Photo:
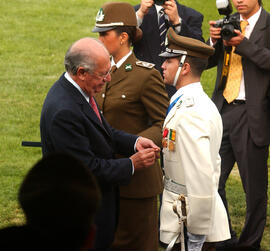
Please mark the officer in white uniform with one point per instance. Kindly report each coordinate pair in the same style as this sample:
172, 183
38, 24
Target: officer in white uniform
192, 133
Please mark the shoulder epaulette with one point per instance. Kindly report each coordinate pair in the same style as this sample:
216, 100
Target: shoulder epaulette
189, 101
145, 64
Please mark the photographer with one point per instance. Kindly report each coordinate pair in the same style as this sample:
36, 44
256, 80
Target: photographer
184, 20
242, 96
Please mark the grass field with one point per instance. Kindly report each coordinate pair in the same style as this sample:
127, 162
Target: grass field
34, 37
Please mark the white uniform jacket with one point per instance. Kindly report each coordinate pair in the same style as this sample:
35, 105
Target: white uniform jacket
192, 132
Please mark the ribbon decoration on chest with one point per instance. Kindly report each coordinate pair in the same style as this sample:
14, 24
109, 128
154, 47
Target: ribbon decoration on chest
172, 104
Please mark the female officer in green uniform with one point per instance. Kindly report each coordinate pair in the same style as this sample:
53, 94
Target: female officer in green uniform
135, 101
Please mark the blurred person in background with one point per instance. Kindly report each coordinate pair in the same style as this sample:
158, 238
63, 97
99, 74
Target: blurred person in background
59, 197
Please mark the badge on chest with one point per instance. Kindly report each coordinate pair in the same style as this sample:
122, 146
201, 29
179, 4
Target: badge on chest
168, 139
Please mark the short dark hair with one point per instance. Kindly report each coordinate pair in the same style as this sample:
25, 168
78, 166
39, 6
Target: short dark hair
198, 65
60, 197
130, 30
260, 2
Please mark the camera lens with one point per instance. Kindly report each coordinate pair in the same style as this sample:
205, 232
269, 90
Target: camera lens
227, 31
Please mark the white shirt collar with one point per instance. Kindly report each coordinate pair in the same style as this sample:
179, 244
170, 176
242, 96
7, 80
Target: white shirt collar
190, 88
253, 19
121, 61
67, 76
158, 8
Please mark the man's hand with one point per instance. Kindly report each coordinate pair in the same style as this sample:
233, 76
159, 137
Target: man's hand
234, 41
171, 10
144, 8
143, 158
214, 32
144, 143
215, 35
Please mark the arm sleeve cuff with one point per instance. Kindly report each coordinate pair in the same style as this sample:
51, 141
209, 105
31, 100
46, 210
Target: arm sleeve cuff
139, 20
177, 27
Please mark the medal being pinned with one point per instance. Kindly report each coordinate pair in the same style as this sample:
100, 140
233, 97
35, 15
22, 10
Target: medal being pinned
168, 139
172, 137
165, 138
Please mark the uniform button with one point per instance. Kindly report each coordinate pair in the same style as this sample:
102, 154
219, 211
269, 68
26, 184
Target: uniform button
101, 112
123, 96
103, 95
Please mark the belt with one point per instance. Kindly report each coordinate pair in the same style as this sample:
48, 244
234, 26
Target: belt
239, 102
174, 187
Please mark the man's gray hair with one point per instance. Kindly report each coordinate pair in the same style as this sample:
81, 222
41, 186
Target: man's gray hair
76, 58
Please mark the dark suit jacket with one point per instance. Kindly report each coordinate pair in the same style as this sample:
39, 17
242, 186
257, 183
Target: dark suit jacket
255, 53
148, 48
69, 124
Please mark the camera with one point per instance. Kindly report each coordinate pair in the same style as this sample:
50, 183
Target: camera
229, 23
160, 2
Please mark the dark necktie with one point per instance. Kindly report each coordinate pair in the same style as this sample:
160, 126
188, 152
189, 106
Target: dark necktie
162, 29
113, 69
94, 107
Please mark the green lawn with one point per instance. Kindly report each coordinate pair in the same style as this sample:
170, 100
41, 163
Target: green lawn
34, 37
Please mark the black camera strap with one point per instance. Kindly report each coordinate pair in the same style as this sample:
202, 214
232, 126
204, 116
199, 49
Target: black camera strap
225, 67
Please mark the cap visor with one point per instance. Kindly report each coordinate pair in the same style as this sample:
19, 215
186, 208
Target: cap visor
102, 29
166, 54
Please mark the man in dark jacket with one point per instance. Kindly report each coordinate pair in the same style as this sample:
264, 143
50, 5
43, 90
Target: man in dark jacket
244, 107
184, 20
71, 122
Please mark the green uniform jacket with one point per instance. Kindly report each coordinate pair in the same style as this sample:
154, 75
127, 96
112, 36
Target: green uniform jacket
135, 101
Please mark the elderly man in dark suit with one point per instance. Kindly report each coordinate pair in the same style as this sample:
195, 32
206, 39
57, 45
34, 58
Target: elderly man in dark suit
184, 20
71, 122
242, 97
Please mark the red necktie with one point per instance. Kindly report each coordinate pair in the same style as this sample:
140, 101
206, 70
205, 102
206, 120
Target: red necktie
94, 107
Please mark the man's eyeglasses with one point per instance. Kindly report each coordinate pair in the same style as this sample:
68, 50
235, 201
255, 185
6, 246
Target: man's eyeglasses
103, 76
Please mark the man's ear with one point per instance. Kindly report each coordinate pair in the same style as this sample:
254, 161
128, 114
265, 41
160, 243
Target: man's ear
81, 73
186, 69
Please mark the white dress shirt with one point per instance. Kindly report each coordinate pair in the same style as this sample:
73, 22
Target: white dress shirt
67, 76
251, 23
121, 61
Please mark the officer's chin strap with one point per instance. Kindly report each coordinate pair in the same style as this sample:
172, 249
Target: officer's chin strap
182, 218
183, 58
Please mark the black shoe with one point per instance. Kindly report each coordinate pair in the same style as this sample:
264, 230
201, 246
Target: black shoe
224, 245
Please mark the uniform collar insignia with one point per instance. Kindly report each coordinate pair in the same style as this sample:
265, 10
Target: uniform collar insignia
128, 67
179, 104
100, 15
